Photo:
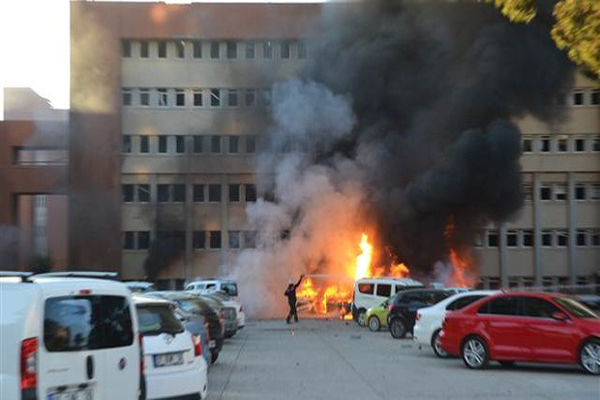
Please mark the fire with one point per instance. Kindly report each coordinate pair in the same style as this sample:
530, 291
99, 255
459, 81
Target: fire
459, 267
363, 260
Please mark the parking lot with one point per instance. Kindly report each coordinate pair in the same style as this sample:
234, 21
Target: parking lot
323, 359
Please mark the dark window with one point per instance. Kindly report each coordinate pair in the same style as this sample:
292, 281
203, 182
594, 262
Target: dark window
143, 193
127, 97
214, 192
527, 145
234, 239
581, 238
563, 145
163, 97
232, 98
234, 144
501, 306
144, 97
231, 49
596, 238
250, 192
575, 308
234, 193
384, 290
412, 297
144, 144
463, 302
250, 144
595, 98
179, 192
302, 50
162, 144
527, 238
214, 50
197, 98
560, 192
545, 144
215, 239
126, 144
268, 50
198, 193
250, 239
578, 98
74, 323
154, 320
198, 145
162, 49
250, 50
180, 144
596, 144
215, 144
127, 191
512, 239
250, 97
162, 193
143, 238
579, 144
580, 192
199, 239
179, 97
197, 48
547, 239
285, 49
545, 193
144, 49
126, 48
215, 97
128, 240
180, 46
492, 239
562, 238
366, 288
538, 308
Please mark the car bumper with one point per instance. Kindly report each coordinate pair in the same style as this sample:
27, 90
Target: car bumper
178, 383
421, 335
450, 344
241, 319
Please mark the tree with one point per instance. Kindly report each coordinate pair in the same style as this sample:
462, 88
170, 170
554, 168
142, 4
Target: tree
576, 30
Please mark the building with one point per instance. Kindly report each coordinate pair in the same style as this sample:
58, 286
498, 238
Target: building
167, 102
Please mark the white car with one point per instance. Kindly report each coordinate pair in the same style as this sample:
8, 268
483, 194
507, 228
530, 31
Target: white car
209, 286
429, 319
65, 337
173, 361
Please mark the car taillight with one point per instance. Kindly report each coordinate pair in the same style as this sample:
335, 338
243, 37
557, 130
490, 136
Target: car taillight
391, 308
418, 316
141, 342
197, 342
444, 323
29, 348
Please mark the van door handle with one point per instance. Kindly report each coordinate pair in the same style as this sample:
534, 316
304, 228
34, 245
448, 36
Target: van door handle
89, 367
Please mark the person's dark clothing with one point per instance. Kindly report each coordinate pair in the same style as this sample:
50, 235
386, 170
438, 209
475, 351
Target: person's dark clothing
291, 295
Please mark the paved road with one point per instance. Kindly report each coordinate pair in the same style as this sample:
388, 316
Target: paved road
318, 359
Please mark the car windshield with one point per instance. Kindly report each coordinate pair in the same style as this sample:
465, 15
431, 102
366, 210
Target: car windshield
575, 308
230, 288
157, 319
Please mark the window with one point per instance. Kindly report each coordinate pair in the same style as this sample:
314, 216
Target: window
579, 144
560, 192
215, 144
198, 193
198, 143
594, 192
127, 193
199, 239
512, 238
250, 144
197, 97
463, 302
232, 98
578, 98
158, 319
128, 240
266, 97
547, 238
250, 97
302, 50
162, 144
162, 49
595, 238
528, 238
250, 192
563, 144
250, 50
144, 144
214, 192
596, 144
215, 97
144, 97
126, 144
562, 238
250, 239
546, 193
366, 288
180, 144
179, 97
268, 50
234, 239
180, 48
234, 193
545, 144
126, 48
197, 48
143, 193
538, 308
144, 49
492, 239
179, 192
501, 306
214, 50
126, 97
580, 191
285, 50
143, 238
73, 323
527, 145
234, 144
595, 97
163, 98
527, 190
215, 239
162, 193
384, 290
581, 237
231, 49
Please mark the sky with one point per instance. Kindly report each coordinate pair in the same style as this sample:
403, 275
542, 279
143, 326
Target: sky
34, 46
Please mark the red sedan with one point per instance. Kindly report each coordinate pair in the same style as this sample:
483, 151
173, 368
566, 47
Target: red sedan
533, 327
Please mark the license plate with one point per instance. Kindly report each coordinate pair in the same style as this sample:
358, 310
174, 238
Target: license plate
72, 394
212, 344
168, 359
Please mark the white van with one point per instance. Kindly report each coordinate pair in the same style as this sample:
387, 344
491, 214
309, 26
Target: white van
370, 292
67, 338
208, 286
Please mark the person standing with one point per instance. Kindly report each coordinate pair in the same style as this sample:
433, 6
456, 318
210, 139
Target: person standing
291, 295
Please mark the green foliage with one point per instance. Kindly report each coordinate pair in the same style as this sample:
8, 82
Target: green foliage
517, 10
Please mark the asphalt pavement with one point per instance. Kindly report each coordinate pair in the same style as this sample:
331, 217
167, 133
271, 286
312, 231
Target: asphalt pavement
324, 359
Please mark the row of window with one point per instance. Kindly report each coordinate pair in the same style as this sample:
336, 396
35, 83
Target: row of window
559, 192
141, 240
214, 49
560, 144
195, 97
176, 193
549, 238
182, 144
579, 97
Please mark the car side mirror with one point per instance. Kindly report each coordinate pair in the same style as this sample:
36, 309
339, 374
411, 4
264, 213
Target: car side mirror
559, 316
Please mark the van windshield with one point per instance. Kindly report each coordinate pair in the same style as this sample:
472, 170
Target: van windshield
230, 288
157, 319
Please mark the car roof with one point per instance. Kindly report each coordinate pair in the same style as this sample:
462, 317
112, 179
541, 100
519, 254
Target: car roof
386, 279
545, 295
149, 300
68, 283
171, 294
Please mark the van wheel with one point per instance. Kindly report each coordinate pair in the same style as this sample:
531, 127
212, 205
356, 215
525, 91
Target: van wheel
374, 324
360, 317
436, 345
398, 328
475, 353
589, 356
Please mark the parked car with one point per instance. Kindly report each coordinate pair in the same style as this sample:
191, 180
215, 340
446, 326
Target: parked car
191, 305
402, 310
227, 286
370, 292
376, 316
197, 325
428, 323
226, 311
532, 327
139, 286
68, 335
173, 362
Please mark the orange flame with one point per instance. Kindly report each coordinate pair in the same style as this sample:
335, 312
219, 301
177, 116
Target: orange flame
459, 269
363, 260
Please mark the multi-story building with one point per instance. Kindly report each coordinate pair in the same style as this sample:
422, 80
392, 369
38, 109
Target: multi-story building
167, 102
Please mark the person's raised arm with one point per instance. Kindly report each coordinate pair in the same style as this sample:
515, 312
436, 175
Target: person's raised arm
299, 281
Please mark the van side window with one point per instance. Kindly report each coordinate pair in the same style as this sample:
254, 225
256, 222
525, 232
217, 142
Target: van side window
384, 290
366, 288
